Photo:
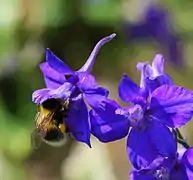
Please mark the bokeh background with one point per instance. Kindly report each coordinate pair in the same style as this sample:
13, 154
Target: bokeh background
71, 28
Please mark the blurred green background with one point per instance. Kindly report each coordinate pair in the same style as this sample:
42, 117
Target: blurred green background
71, 28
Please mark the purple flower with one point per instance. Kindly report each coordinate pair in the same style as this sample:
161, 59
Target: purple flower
178, 168
67, 85
157, 25
106, 125
148, 117
153, 76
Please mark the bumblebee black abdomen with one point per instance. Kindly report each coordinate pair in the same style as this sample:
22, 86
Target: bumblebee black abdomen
50, 121
51, 104
53, 135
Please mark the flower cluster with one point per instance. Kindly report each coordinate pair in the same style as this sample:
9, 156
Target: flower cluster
156, 109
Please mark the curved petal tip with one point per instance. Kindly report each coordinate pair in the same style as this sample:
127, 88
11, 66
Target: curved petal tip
112, 35
90, 61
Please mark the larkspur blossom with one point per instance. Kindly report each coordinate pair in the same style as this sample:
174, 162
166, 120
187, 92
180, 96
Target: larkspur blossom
65, 84
157, 24
147, 117
178, 168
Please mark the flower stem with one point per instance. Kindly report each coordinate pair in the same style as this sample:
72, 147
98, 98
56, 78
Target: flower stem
180, 138
179, 134
183, 143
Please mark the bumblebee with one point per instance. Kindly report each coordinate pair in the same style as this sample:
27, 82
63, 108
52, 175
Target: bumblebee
50, 121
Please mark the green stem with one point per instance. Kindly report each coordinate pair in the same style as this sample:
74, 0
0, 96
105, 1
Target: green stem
179, 134
183, 143
180, 138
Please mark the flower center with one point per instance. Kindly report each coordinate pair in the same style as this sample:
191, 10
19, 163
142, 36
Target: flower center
161, 173
135, 116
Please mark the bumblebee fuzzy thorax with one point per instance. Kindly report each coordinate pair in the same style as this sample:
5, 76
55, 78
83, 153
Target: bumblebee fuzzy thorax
50, 120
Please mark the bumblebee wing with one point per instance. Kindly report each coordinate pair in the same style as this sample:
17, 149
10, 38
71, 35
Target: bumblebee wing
36, 140
42, 122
